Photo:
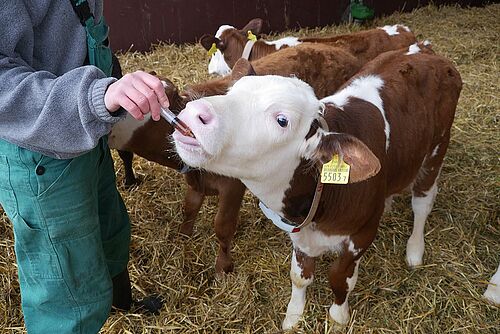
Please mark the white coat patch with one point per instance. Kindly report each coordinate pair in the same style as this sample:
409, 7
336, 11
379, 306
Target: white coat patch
365, 88
123, 131
435, 151
313, 242
290, 41
413, 49
393, 30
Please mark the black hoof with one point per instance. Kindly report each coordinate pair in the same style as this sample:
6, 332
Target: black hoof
130, 183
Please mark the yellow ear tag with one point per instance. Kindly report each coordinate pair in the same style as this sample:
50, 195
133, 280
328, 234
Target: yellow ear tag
251, 36
335, 171
212, 50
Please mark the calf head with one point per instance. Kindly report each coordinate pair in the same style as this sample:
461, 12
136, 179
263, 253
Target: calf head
229, 43
262, 129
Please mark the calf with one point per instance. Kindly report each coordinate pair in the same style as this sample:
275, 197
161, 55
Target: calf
325, 67
390, 124
232, 44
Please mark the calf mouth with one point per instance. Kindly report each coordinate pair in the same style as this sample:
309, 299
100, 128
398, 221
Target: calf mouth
185, 141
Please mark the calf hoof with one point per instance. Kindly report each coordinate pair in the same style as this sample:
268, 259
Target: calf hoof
224, 265
340, 314
186, 229
290, 321
149, 305
414, 252
130, 182
492, 294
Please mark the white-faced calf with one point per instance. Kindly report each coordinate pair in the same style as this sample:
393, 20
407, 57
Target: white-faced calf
325, 67
390, 123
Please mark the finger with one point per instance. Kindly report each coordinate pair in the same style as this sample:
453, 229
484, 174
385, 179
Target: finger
155, 84
154, 105
131, 107
138, 98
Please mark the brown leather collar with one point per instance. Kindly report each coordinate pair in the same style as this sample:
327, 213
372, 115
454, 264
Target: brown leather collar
286, 224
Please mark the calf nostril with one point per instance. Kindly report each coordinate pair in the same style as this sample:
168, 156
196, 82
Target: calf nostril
205, 118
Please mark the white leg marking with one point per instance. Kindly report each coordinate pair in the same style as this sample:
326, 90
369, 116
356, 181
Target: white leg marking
492, 293
340, 313
298, 298
422, 206
388, 204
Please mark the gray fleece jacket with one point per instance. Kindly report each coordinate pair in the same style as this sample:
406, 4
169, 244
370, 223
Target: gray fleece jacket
49, 102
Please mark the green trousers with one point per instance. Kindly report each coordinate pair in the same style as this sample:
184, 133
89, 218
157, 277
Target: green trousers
72, 235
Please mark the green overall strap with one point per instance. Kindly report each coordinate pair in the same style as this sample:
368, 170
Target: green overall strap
82, 9
99, 52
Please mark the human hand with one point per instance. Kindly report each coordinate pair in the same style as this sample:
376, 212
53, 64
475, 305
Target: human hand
139, 93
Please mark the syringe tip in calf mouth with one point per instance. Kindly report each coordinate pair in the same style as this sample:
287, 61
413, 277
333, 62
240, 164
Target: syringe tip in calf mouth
176, 122
182, 127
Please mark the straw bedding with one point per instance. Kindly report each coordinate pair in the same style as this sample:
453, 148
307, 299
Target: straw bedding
462, 233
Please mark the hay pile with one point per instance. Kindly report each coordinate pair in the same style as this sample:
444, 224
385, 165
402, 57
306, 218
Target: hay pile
462, 234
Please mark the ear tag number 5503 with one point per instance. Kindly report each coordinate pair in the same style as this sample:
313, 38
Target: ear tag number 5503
335, 171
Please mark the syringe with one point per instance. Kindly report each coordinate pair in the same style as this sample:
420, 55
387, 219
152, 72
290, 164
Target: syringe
176, 122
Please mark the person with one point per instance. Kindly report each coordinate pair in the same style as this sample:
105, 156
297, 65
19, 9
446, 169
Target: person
57, 182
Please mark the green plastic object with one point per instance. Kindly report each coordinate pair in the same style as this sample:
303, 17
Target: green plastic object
360, 11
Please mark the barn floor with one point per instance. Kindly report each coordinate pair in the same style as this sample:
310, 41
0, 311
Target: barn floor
462, 234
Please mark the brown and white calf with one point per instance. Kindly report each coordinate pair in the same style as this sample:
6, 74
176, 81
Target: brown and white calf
326, 68
390, 123
230, 46
233, 44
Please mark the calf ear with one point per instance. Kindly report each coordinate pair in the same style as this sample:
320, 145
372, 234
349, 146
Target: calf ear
206, 41
177, 103
242, 68
255, 26
364, 164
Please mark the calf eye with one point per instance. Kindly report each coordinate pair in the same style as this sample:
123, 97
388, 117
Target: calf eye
282, 120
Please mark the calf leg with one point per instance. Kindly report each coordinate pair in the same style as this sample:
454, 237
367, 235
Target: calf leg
422, 205
226, 220
423, 195
492, 293
192, 204
301, 274
127, 158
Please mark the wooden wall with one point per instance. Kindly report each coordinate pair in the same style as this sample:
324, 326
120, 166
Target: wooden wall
136, 24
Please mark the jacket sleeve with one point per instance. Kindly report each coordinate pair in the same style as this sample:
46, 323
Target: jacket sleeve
61, 116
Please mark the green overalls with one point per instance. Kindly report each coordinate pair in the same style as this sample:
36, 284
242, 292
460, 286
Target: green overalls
71, 230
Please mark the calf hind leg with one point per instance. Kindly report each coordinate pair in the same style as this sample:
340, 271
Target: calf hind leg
423, 195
